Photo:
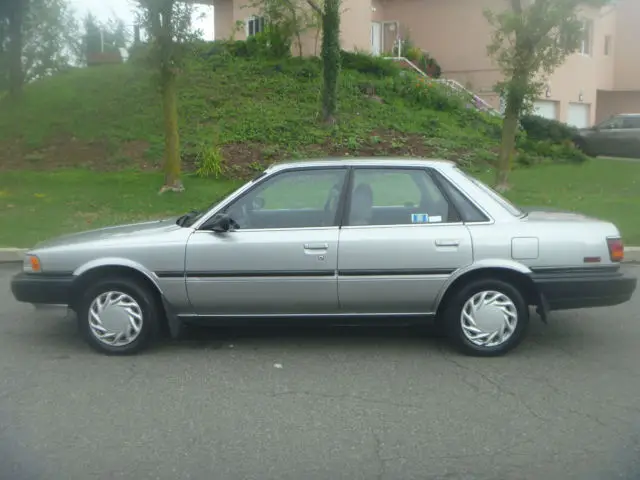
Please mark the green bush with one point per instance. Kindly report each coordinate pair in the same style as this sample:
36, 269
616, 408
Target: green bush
543, 129
369, 64
139, 54
425, 93
429, 65
270, 44
533, 152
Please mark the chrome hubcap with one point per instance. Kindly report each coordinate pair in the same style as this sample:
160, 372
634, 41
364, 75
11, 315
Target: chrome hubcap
115, 319
489, 319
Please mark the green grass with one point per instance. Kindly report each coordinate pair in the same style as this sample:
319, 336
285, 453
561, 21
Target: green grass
603, 188
81, 150
37, 205
254, 110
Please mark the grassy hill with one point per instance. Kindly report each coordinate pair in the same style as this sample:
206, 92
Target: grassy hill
255, 111
251, 112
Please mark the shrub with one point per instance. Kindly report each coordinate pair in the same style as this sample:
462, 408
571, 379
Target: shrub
209, 161
429, 65
533, 152
427, 94
270, 44
369, 64
544, 129
413, 54
139, 54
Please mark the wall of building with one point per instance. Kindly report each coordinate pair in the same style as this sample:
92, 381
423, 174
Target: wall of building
223, 18
456, 33
614, 102
626, 46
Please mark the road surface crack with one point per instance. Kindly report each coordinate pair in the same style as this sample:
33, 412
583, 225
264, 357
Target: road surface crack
499, 387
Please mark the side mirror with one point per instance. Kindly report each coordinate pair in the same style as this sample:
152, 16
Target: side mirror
222, 223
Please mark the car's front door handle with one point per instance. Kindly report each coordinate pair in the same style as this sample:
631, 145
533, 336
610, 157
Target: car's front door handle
447, 243
316, 246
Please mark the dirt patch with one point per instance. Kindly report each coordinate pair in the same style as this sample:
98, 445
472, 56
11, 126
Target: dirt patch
135, 149
61, 153
70, 152
242, 160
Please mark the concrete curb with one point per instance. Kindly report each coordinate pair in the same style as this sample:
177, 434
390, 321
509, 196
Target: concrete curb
16, 255
632, 255
12, 255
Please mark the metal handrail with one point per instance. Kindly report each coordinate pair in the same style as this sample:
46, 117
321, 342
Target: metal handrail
453, 84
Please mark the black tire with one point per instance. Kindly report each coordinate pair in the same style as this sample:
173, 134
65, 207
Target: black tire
453, 317
141, 294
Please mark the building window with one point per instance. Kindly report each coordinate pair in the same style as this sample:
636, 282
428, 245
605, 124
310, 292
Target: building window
254, 25
587, 38
607, 45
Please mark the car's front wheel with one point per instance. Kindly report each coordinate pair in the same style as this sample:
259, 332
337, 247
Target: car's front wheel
118, 316
487, 317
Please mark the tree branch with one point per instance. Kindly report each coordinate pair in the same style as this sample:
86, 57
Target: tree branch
315, 6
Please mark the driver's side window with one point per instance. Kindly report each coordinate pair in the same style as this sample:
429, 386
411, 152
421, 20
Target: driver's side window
612, 123
294, 199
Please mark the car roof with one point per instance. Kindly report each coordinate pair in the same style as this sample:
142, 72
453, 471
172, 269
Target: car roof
363, 161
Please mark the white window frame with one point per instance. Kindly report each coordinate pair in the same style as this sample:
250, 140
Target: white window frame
586, 44
608, 44
258, 22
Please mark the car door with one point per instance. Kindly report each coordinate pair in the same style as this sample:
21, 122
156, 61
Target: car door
630, 140
283, 257
400, 242
607, 137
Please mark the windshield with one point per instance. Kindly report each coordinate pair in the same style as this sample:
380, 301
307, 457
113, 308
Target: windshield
192, 217
510, 207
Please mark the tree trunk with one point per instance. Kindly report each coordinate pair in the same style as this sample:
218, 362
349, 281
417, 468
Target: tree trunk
171, 137
515, 98
509, 129
330, 59
161, 22
16, 17
299, 42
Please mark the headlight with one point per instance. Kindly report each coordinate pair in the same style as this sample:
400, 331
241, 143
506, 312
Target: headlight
31, 264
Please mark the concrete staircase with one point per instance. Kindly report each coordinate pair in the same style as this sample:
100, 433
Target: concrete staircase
477, 102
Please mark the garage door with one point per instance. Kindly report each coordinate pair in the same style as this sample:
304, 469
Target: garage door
579, 115
546, 108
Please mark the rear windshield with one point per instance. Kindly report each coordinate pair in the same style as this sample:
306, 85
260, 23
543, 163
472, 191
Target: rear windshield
510, 207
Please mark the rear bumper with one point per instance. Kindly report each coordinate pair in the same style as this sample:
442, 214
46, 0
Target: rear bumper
584, 288
42, 289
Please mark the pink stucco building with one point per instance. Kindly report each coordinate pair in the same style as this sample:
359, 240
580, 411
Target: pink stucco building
600, 79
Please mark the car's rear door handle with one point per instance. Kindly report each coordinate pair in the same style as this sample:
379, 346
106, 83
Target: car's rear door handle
316, 246
447, 243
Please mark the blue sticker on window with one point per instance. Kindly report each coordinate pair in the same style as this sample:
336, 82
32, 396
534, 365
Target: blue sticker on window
419, 218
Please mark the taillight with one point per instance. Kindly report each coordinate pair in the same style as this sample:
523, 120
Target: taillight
616, 249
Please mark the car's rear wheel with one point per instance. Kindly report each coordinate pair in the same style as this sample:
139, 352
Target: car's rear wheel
486, 317
118, 316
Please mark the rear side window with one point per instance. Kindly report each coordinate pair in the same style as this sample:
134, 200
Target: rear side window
506, 204
631, 122
469, 212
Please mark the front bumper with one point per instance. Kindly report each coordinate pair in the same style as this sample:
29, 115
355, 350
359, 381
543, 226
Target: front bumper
38, 288
584, 288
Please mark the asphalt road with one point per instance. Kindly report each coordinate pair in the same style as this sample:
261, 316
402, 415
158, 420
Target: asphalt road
320, 404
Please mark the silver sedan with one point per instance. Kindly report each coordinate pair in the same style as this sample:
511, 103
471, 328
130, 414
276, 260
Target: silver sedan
346, 242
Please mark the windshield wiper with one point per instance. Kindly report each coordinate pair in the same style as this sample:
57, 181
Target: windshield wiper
186, 217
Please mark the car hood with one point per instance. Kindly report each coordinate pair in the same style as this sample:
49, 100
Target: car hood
115, 233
